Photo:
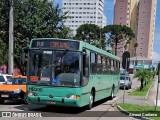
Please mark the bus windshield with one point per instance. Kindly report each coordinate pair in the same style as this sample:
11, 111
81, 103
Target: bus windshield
56, 68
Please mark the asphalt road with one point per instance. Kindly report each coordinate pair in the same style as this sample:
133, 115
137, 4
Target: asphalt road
100, 111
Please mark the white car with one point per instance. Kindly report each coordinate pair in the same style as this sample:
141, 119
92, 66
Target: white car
4, 78
125, 81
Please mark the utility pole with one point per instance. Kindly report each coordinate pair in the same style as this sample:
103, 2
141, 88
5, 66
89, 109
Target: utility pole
10, 54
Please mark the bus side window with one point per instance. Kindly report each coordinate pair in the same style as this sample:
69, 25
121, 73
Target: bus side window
104, 67
85, 69
99, 64
86, 65
93, 63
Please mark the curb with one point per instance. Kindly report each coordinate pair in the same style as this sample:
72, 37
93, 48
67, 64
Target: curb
149, 89
128, 113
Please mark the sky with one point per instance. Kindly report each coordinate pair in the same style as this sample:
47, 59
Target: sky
109, 10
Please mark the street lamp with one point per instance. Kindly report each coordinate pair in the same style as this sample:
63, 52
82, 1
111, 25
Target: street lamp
10, 60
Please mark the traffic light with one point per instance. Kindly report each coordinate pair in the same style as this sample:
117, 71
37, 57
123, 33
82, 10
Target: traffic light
126, 56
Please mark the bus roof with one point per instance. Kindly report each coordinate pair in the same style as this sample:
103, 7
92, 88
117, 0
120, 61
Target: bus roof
52, 39
82, 45
98, 50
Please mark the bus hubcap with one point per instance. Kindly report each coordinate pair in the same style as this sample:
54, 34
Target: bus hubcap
91, 99
112, 93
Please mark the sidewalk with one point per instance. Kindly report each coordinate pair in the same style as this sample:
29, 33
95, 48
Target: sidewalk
149, 99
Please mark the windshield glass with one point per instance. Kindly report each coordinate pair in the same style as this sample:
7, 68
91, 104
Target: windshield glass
123, 78
15, 81
57, 68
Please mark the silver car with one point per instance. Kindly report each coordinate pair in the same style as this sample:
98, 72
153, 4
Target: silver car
125, 82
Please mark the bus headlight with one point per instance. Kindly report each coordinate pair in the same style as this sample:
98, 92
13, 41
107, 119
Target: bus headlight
31, 94
18, 90
73, 96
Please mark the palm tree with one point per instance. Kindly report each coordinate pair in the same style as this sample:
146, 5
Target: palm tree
143, 76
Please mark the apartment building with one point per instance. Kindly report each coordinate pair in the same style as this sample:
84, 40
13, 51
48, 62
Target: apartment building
146, 26
139, 15
82, 12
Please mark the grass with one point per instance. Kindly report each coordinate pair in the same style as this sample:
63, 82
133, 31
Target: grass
142, 92
140, 109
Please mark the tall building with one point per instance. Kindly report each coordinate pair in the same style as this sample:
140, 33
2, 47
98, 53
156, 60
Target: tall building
139, 15
82, 12
146, 26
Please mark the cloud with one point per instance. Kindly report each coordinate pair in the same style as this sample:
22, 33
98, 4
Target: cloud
155, 56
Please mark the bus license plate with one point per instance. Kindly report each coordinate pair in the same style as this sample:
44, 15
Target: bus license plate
51, 102
5, 96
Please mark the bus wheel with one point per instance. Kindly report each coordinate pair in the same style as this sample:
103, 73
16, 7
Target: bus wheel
1, 101
91, 100
25, 99
112, 94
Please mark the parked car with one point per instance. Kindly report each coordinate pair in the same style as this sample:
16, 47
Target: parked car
125, 81
14, 89
4, 78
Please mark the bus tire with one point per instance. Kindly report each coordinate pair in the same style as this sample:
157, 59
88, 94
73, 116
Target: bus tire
112, 94
91, 100
25, 99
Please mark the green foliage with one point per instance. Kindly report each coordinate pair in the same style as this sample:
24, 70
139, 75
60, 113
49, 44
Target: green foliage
91, 33
154, 73
32, 19
139, 109
142, 92
4, 21
144, 76
3, 53
117, 34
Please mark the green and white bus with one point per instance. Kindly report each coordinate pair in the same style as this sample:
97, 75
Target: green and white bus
66, 72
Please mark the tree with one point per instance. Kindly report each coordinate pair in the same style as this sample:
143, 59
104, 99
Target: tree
117, 34
32, 19
92, 34
144, 76
3, 53
4, 21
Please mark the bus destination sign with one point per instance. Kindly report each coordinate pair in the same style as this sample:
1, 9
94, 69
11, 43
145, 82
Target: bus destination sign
55, 44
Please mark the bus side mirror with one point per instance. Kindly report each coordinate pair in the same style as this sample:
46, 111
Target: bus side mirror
24, 53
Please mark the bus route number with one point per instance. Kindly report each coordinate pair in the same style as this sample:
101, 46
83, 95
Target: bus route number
58, 45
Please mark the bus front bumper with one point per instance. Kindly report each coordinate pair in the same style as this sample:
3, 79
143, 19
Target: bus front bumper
57, 101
